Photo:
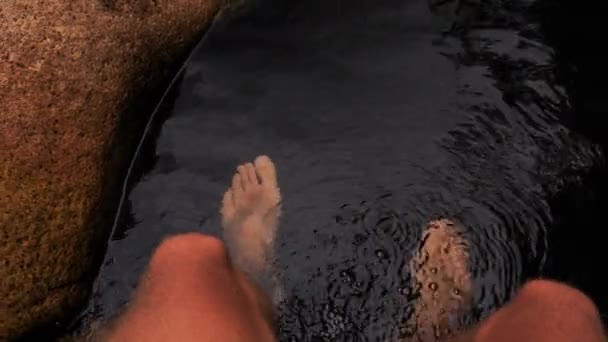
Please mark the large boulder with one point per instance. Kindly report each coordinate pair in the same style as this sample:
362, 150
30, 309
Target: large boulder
74, 78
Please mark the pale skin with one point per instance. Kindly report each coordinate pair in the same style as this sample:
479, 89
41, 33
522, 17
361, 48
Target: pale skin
197, 288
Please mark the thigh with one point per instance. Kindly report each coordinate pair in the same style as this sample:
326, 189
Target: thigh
192, 292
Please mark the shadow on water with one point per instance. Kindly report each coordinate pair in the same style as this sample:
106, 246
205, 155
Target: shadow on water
382, 117
147, 159
576, 30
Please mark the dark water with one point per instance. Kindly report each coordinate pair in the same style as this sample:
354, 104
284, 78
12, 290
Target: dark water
380, 117
577, 253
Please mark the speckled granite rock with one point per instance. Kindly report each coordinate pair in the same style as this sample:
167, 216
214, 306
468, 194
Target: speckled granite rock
69, 70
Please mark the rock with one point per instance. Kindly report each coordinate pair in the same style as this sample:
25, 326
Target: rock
74, 77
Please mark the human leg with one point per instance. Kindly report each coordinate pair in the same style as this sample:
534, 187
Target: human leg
193, 290
542, 311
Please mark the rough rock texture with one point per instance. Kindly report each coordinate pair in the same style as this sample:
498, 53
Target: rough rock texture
69, 70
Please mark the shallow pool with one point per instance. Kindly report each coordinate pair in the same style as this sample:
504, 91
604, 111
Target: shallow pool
398, 129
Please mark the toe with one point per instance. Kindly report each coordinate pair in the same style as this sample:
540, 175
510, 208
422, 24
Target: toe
266, 171
227, 209
237, 186
242, 170
251, 175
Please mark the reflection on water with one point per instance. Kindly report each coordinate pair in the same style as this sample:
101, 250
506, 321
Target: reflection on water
417, 149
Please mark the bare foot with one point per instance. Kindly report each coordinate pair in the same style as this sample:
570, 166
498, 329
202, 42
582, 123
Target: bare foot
440, 268
250, 216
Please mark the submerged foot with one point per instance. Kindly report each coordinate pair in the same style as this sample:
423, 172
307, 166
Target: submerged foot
441, 272
250, 215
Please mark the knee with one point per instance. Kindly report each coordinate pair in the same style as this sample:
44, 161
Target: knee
190, 248
556, 292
